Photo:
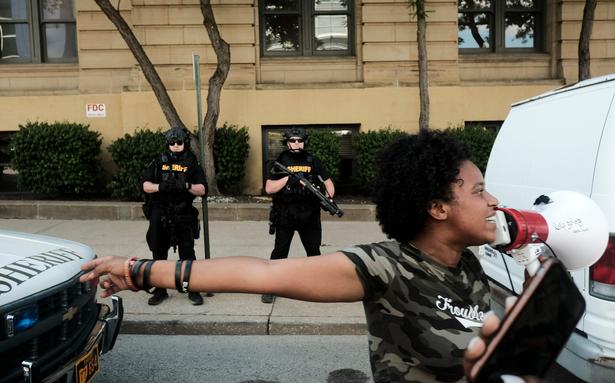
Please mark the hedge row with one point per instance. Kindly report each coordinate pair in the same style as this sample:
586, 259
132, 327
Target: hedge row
58, 158
132, 153
367, 146
61, 158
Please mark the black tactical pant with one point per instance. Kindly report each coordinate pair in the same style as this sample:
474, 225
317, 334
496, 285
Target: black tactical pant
161, 232
300, 218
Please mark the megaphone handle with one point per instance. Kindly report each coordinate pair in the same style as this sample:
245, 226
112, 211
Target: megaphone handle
533, 267
528, 256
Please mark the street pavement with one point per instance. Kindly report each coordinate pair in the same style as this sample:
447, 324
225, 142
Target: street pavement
222, 313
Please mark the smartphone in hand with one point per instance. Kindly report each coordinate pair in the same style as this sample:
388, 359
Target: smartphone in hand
535, 329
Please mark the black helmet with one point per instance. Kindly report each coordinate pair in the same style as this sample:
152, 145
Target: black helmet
295, 132
176, 134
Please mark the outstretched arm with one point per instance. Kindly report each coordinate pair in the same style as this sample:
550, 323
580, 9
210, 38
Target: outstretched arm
326, 278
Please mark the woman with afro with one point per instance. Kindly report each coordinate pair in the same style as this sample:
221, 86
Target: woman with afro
425, 295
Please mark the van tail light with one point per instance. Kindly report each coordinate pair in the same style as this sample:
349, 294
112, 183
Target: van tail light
602, 273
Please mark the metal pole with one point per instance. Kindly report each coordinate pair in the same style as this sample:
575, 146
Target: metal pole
197, 82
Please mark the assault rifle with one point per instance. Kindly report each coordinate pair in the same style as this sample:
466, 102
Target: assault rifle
327, 203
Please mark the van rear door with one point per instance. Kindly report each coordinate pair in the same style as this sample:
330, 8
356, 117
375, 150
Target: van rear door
547, 144
600, 284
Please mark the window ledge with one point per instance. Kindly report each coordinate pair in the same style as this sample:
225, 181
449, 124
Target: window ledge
34, 68
307, 59
302, 86
502, 57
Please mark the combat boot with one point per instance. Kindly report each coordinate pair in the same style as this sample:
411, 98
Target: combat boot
159, 296
195, 298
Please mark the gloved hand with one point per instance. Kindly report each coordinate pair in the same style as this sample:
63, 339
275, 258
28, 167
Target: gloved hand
293, 182
180, 184
172, 185
164, 187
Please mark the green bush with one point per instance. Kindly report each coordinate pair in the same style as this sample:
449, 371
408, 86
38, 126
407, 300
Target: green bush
231, 149
325, 145
367, 146
479, 141
59, 158
131, 154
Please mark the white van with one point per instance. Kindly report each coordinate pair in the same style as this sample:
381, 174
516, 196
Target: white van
564, 140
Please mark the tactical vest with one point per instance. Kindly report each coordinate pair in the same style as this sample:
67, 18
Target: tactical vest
298, 193
179, 167
173, 167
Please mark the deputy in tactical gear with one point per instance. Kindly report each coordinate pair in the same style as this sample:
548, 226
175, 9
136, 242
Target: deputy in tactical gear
171, 182
294, 207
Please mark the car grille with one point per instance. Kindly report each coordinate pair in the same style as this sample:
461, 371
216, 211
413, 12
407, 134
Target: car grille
66, 315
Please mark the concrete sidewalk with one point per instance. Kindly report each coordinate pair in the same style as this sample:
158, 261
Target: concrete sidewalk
223, 313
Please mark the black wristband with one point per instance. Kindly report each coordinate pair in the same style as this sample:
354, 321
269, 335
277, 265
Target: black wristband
178, 272
146, 271
134, 273
186, 280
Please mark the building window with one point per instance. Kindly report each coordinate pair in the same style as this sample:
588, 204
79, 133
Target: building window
35, 31
500, 26
306, 27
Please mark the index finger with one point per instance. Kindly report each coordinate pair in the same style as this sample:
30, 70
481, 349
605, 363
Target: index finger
93, 269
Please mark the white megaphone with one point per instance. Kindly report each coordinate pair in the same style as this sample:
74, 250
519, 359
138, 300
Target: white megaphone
569, 224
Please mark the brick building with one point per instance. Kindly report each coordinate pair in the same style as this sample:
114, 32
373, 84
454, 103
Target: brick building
345, 65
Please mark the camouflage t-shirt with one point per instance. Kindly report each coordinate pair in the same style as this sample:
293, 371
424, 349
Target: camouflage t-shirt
420, 314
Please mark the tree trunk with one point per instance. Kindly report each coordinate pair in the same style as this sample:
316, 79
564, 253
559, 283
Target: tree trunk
423, 75
584, 38
216, 81
146, 65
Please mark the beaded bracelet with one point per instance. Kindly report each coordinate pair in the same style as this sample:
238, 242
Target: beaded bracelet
127, 269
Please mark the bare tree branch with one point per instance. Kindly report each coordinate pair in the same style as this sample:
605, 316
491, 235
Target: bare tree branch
144, 62
421, 39
584, 39
216, 81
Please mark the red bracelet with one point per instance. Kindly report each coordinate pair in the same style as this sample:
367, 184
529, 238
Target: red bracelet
127, 269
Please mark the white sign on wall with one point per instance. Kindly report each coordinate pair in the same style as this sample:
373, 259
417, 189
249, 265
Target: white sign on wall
95, 110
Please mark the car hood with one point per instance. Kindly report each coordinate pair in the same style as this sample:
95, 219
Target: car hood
31, 263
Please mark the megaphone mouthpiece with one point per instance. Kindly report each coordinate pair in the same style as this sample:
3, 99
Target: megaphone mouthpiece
525, 227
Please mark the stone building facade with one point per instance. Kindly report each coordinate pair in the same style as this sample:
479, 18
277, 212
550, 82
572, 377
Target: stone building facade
345, 65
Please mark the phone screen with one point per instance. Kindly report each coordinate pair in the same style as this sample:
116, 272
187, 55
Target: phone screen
536, 328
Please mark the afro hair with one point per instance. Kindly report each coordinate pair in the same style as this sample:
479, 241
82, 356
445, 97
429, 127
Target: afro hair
414, 171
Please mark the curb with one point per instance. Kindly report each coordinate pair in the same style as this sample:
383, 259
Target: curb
136, 325
69, 210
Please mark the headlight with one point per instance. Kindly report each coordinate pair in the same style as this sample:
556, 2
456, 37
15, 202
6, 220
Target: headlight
20, 320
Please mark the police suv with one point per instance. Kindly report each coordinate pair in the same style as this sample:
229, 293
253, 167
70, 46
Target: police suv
51, 327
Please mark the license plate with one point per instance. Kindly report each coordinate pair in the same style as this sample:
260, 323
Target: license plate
87, 366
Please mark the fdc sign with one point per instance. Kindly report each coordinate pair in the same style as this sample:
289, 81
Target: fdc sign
95, 110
